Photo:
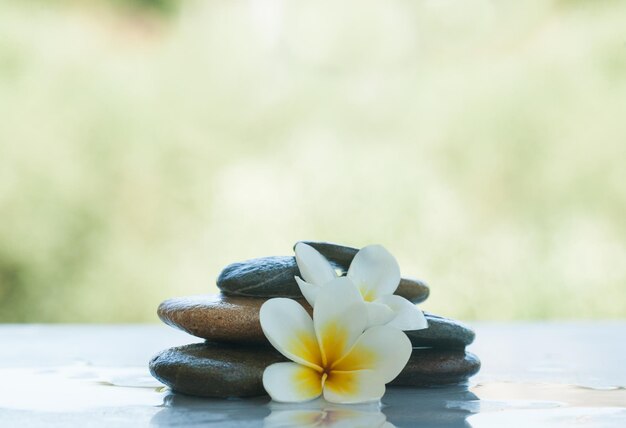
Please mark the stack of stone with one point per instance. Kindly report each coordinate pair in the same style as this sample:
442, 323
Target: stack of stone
230, 363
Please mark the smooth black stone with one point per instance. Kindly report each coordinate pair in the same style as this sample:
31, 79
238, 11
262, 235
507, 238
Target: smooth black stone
442, 333
428, 367
262, 277
219, 370
274, 276
212, 370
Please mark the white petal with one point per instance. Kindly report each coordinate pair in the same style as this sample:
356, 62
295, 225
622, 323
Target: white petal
375, 272
382, 349
407, 315
339, 317
291, 382
313, 266
378, 313
289, 329
353, 387
318, 404
308, 290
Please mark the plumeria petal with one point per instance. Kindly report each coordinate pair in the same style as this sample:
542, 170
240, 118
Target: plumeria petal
308, 290
407, 315
290, 330
353, 387
378, 313
313, 266
339, 317
382, 349
375, 272
292, 382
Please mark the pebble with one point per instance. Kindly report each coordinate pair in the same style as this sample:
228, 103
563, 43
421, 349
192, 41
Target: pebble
223, 370
216, 317
235, 319
210, 370
274, 277
443, 333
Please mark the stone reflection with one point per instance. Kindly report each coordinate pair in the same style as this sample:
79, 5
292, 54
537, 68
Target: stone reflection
447, 407
320, 413
185, 410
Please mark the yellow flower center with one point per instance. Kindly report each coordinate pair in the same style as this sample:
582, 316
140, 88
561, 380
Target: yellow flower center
368, 295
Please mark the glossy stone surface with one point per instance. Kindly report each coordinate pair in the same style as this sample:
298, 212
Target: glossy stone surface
428, 367
212, 370
221, 318
274, 277
218, 370
442, 333
262, 277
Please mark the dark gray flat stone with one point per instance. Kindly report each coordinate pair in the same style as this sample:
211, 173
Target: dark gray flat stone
428, 367
211, 370
274, 276
262, 277
220, 370
443, 333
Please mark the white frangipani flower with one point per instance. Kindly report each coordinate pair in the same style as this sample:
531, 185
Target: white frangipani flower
376, 274
332, 353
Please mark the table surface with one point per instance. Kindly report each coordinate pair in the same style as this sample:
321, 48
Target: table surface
533, 374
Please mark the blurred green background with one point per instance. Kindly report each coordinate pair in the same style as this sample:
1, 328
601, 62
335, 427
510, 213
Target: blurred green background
145, 145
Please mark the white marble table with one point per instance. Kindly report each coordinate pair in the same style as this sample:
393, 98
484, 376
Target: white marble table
534, 374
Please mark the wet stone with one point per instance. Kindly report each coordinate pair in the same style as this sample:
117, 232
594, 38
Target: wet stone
274, 276
210, 370
221, 370
262, 277
442, 333
235, 319
428, 367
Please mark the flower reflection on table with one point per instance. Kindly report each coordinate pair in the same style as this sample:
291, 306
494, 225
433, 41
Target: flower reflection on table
321, 413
